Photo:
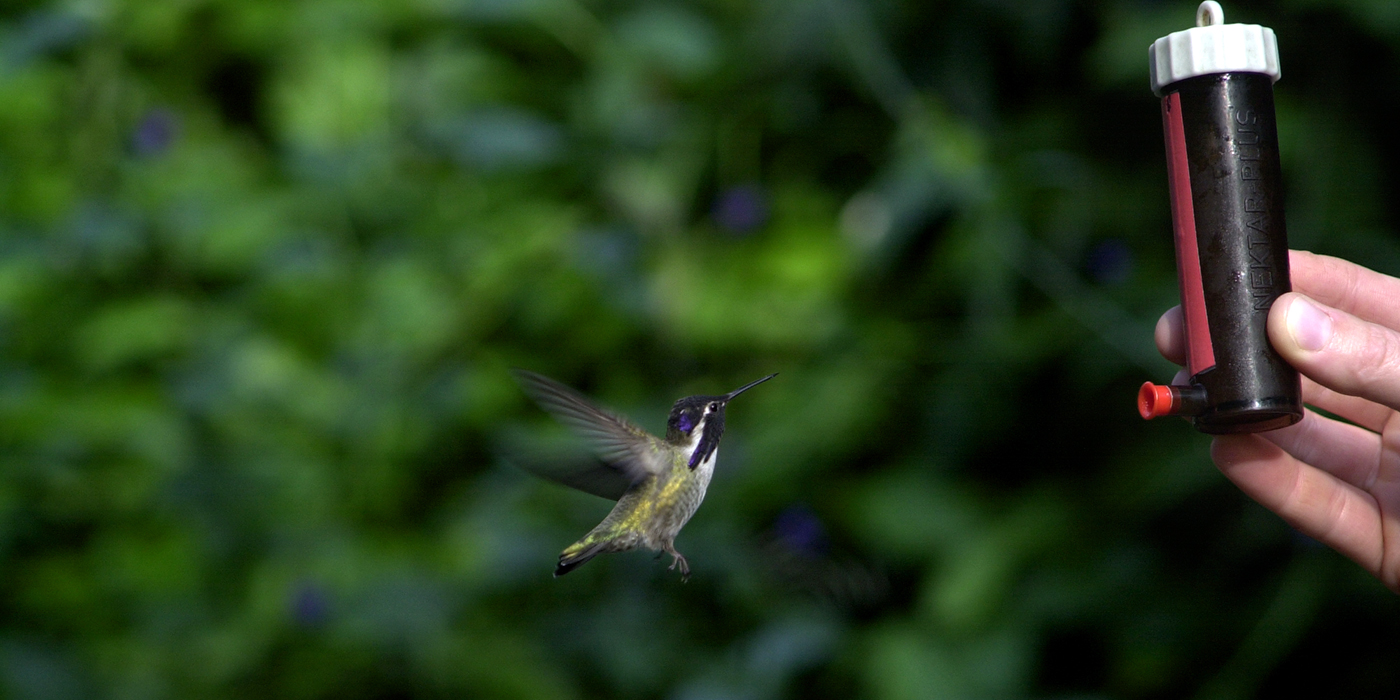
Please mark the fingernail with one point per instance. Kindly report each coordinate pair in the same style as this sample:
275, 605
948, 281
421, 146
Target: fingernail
1310, 326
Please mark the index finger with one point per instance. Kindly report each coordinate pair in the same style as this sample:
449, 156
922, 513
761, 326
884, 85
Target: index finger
1364, 293
1318, 504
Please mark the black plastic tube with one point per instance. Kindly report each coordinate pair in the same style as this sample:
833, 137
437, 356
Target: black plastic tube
1232, 249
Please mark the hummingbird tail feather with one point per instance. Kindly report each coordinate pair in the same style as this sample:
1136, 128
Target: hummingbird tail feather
577, 555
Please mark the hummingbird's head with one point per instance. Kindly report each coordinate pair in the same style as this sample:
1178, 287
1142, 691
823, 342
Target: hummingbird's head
699, 421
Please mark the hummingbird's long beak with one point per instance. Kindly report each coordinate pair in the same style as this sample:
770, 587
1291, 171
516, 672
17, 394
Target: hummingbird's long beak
746, 387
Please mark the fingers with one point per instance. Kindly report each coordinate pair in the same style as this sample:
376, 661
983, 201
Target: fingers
1367, 414
1170, 335
1348, 452
1336, 349
1364, 293
1313, 501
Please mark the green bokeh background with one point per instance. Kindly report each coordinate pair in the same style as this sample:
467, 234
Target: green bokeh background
264, 267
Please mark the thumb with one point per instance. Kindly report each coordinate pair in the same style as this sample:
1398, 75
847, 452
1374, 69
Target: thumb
1337, 350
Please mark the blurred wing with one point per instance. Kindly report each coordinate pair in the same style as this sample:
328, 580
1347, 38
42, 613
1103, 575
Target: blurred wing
631, 453
579, 472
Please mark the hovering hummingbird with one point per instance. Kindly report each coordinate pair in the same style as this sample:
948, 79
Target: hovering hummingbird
658, 484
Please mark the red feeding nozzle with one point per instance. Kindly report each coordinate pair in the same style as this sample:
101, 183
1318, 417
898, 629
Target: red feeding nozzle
1156, 400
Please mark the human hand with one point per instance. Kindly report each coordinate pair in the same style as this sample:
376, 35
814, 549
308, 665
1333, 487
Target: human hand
1334, 481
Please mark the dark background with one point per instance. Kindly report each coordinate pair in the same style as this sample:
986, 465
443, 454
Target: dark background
264, 267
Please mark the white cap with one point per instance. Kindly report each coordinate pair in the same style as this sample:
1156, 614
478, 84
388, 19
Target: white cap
1212, 47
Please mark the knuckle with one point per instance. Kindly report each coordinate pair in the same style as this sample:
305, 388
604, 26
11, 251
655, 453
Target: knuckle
1377, 356
1305, 441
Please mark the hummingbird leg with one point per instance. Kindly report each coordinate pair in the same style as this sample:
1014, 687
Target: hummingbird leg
677, 559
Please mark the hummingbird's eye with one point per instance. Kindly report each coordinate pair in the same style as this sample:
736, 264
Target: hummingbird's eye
714, 406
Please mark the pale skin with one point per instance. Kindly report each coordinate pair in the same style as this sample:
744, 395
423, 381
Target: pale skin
1335, 481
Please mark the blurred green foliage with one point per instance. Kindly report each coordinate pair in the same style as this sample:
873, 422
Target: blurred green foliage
264, 266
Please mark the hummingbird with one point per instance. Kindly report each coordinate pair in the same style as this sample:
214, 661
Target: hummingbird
658, 483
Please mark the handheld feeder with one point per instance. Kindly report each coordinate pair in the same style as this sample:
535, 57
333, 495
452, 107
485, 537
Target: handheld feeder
1216, 84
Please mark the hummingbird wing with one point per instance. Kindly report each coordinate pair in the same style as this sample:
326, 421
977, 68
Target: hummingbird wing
631, 453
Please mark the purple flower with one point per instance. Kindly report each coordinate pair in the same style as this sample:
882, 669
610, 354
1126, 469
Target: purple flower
741, 209
800, 531
1110, 262
309, 605
154, 133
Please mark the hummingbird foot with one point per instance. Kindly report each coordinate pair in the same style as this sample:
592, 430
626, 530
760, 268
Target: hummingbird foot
677, 559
